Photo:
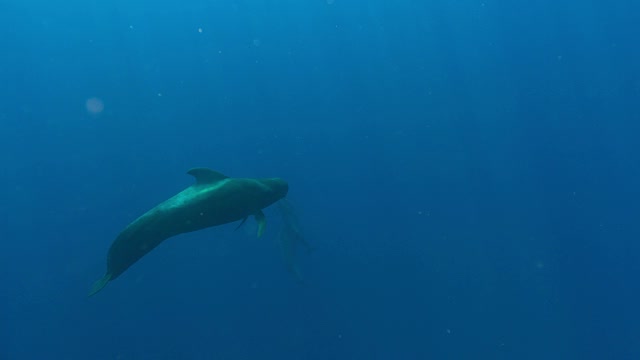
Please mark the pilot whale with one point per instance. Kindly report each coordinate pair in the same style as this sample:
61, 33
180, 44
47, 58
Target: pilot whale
214, 199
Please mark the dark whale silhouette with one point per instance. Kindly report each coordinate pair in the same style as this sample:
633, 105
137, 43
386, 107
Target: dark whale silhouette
214, 199
290, 237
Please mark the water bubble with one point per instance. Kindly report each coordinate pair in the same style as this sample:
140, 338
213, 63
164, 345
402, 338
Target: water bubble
94, 105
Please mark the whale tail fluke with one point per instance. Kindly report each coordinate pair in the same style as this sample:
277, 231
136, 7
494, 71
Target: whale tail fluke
98, 285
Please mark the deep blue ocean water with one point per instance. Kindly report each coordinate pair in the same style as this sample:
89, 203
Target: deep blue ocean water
466, 171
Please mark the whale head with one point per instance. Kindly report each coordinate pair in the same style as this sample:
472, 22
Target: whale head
277, 188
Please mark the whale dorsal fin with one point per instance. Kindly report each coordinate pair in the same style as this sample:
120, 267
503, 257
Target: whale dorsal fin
206, 176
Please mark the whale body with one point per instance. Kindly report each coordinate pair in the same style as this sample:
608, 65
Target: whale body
214, 199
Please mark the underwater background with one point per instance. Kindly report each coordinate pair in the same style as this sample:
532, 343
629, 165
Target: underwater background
466, 172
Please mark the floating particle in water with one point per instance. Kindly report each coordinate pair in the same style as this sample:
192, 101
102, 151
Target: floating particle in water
200, 30
94, 105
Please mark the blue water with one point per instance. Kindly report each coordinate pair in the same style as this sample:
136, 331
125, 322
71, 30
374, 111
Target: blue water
466, 171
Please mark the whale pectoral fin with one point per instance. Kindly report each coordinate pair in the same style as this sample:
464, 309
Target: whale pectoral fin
262, 222
242, 222
98, 285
